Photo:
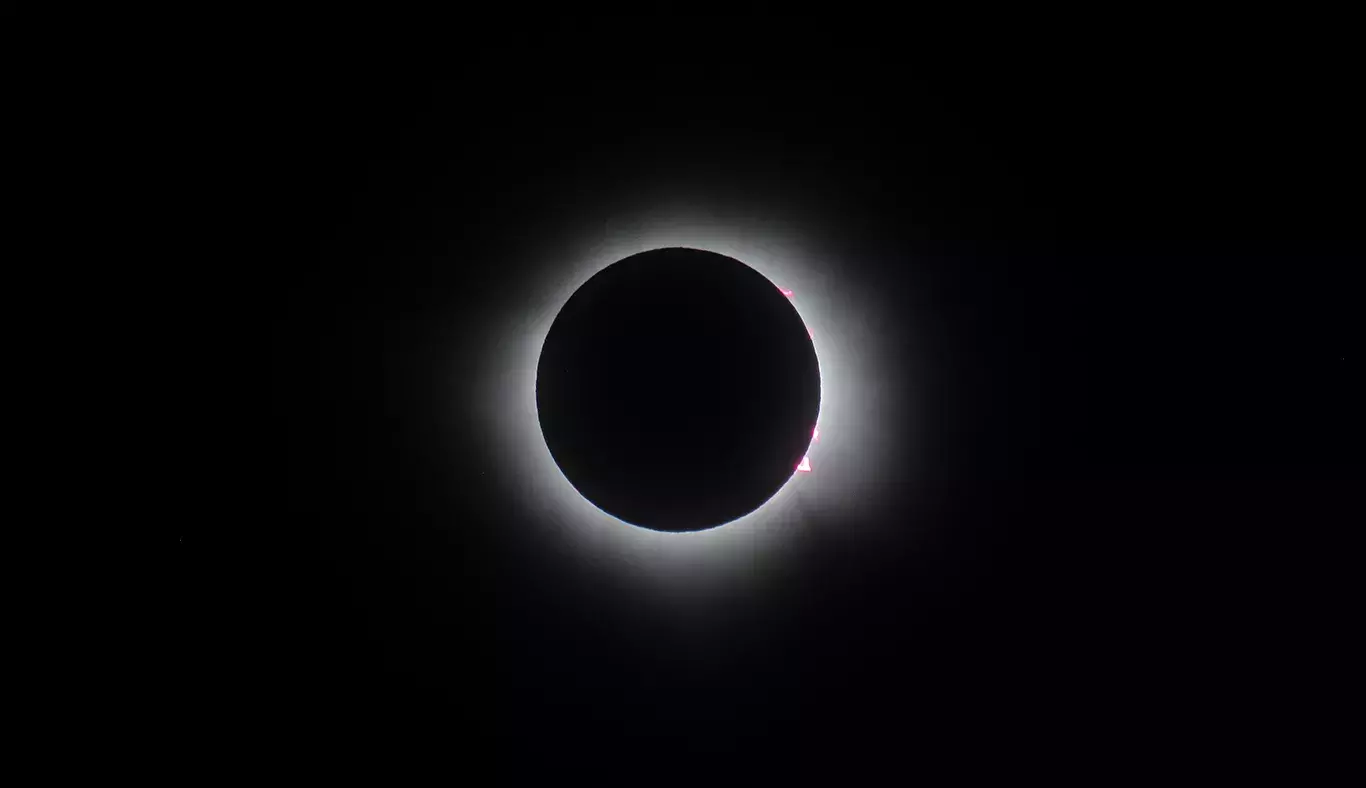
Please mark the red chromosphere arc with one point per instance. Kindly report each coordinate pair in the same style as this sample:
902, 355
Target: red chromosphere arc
788, 293
805, 465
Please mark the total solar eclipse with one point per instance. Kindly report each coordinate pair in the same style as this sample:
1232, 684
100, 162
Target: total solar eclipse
678, 389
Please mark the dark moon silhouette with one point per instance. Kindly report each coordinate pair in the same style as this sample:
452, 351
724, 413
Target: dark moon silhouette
677, 389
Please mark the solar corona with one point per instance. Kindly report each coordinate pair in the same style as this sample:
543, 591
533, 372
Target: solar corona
833, 462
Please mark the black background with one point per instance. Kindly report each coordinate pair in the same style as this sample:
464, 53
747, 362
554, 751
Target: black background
1147, 426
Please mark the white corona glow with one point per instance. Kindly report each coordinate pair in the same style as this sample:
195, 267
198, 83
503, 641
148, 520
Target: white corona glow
854, 400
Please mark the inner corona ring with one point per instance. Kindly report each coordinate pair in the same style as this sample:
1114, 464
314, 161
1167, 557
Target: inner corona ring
678, 390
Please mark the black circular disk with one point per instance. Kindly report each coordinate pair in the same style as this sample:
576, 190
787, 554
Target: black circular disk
677, 389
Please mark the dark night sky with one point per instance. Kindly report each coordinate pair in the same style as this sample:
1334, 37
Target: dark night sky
1144, 410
